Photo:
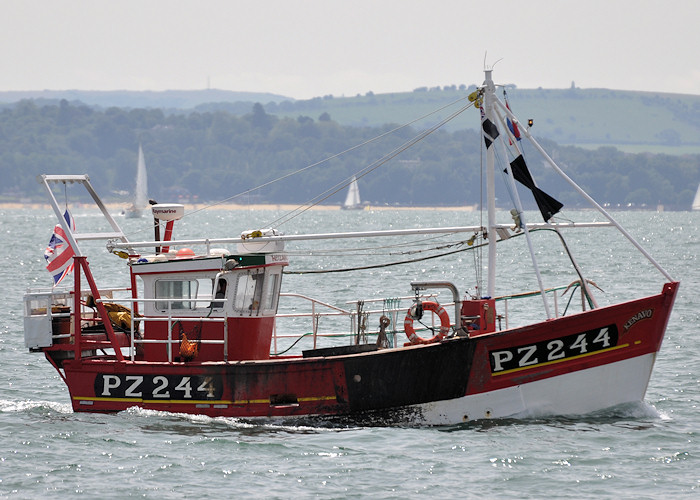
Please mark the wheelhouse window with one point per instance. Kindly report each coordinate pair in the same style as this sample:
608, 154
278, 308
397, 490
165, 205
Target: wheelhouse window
249, 291
256, 291
177, 294
273, 284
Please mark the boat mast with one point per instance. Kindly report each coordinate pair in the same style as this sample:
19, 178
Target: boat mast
489, 97
490, 101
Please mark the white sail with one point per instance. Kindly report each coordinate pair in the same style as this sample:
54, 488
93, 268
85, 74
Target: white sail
352, 200
141, 189
141, 195
696, 200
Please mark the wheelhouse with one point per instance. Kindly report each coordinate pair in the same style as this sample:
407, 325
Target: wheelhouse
226, 304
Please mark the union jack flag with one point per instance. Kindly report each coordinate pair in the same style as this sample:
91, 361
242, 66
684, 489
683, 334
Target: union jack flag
59, 253
512, 126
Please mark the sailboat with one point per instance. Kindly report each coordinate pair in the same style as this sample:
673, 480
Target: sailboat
352, 199
140, 201
197, 326
696, 200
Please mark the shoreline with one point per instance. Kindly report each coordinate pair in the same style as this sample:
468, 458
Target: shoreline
191, 207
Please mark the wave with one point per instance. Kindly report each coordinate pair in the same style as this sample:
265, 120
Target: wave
173, 422
29, 406
639, 415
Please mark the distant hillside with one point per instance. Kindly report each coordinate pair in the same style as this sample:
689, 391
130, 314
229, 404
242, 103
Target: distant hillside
631, 121
216, 155
166, 99
590, 118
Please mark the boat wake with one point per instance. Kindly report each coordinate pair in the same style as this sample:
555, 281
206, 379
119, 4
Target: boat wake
633, 416
171, 422
28, 406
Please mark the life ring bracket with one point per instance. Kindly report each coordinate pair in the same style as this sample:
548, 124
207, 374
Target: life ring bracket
444, 324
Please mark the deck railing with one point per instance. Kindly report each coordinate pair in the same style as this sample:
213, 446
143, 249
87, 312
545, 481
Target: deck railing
341, 326
171, 321
360, 325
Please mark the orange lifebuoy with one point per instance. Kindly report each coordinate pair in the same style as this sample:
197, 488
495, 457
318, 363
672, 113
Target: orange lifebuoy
444, 324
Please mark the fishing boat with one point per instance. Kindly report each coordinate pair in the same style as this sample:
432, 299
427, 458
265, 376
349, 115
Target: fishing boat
196, 327
352, 199
140, 201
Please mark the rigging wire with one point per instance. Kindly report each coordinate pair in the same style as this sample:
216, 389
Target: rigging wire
356, 251
327, 159
378, 266
361, 173
332, 157
359, 253
475, 247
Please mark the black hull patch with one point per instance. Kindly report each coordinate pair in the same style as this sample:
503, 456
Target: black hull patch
434, 372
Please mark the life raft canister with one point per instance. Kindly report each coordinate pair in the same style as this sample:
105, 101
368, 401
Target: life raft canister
444, 324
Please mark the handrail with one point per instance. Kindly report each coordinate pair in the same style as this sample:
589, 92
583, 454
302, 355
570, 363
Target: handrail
311, 299
169, 319
315, 315
524, 295
336, 312
318, 310
533, 293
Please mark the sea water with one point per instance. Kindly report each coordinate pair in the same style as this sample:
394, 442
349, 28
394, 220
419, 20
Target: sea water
646, 450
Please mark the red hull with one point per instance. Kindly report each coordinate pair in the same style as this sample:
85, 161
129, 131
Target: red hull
393, 380
572, 343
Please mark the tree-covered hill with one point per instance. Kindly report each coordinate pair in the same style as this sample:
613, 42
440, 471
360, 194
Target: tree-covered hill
631, 121
213, 155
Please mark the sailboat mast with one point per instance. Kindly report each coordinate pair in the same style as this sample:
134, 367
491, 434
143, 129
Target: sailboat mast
489, 97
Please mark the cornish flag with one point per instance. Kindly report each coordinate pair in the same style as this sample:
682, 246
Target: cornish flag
59, 253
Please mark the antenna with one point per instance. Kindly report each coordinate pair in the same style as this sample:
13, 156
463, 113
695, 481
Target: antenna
486, 67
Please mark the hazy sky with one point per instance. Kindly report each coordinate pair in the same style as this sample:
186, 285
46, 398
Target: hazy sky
308, 48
